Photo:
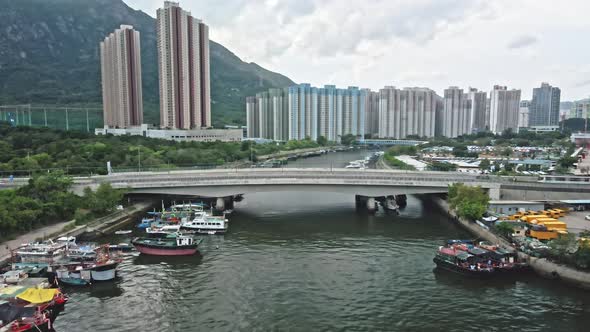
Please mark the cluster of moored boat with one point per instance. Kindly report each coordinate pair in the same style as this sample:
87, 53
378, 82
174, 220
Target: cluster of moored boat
171, 232
30, 298
364, 163
477, 259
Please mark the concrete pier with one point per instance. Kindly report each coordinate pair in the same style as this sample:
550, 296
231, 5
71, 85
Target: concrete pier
365, 203
220, 204
371, 204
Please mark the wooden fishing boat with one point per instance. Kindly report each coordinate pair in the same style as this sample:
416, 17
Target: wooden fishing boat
172, 245
462, 262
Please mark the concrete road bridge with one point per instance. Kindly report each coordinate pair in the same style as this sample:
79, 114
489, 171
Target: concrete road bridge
369, 183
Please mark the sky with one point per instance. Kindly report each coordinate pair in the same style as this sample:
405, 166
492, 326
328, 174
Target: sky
407, 43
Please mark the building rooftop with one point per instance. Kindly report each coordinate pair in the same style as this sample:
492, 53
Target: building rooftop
514, 202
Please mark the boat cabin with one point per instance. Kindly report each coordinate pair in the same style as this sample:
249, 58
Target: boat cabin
184, 241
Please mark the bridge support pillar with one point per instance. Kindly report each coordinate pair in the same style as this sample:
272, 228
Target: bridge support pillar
494, 193
401, 200
390, 204
371, 204
358, 202
220, 204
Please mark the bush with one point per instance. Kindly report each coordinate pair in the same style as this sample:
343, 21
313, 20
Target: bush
81, 217
505, 229
469, 202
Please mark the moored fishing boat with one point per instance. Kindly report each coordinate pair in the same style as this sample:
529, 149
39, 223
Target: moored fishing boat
172, 245
458, 261
121, 247
207, 225
162, 230
103, 268
24, 318
47, 251
146, 222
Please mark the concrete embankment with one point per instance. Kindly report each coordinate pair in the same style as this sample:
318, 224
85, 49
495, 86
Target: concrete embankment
287, 153
111, 222
102, 225
541, 266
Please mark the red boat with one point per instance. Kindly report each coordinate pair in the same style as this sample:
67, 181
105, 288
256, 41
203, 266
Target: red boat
171, 245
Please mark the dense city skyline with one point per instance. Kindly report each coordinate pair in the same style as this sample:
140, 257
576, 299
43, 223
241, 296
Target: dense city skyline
517, 43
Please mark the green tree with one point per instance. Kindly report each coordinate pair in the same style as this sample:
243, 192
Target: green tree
563, 245
582, 256
567, 162
348, 139
442, 166
103, 200
484, 164
322, 140
505, 229
469, 202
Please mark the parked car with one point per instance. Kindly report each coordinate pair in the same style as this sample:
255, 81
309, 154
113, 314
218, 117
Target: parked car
587, 217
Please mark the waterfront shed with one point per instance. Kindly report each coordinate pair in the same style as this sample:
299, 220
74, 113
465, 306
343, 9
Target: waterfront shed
512, 207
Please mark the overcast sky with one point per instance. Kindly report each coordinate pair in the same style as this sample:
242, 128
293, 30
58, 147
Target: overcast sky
430, 43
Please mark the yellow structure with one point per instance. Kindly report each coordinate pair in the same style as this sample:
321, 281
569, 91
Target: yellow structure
35, 295
544, 235
555, 225
542, 220
530, 217
558, 213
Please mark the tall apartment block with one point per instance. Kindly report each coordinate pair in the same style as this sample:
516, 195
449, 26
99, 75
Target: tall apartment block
303, 111
328, 112
523, 114
252, 117
504, 109
120, 60
411, 111
455, 117
183, 59
544, 108
478, 109
580, 109
371, 112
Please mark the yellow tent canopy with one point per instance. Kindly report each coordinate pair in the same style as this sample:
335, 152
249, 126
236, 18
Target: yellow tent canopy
35, 295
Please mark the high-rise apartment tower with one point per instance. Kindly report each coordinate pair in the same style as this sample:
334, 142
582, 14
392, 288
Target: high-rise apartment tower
183, 59
120, 61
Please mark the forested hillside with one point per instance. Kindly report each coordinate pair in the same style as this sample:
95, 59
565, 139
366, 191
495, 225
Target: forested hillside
49, 54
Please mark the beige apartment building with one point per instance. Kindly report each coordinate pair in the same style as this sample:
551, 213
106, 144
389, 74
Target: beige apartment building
183, 59
120, 60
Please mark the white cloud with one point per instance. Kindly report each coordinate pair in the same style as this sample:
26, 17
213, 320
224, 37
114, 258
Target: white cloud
433, 43
522, 41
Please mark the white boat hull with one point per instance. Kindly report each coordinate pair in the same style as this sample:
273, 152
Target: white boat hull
104, 275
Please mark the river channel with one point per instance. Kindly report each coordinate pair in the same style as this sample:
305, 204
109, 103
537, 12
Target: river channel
306, 261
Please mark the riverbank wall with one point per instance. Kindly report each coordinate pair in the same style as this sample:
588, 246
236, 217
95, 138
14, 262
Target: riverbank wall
103, 225
112, 222
541, 266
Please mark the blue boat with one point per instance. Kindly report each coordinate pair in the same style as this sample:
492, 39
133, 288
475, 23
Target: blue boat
145, 223
74, 281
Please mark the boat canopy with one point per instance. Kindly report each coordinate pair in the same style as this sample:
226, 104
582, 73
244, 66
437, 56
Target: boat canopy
477, 251
10, 312
462, 255
450, 242
35, 295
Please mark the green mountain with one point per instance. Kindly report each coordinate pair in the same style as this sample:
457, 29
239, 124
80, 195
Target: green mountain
49, 54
